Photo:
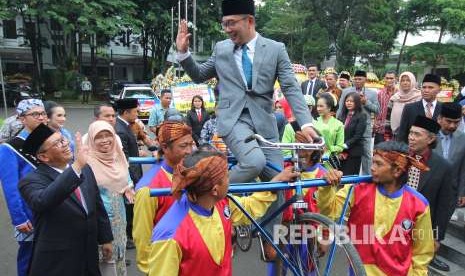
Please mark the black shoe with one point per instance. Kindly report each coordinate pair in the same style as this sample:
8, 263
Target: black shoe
130, 244
128, 262
439, 265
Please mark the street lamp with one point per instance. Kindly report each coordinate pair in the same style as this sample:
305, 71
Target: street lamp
112, 64
3, 87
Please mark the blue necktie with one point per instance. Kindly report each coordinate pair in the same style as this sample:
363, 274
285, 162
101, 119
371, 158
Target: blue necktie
247, 66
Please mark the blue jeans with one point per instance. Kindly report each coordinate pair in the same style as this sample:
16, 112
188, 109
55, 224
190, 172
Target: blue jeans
24, 257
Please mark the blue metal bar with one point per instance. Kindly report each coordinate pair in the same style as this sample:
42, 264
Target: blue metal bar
281, 209
231, 159
237, 188
274, 167
332, 251
265, 235
143, 160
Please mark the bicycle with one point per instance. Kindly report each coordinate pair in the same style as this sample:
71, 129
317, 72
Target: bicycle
302, 258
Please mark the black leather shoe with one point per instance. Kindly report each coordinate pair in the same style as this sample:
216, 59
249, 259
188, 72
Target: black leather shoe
130, 244
128, 262
439, 265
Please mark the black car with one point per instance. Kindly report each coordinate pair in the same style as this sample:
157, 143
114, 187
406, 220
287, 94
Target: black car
16, 92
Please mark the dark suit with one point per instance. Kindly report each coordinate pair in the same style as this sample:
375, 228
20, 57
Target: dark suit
456, 157
66, 236
353, 134
437, 185
316, 87
410, 112
130, 148
193, 121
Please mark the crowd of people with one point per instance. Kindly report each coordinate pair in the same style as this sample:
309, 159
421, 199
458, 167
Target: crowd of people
77, 205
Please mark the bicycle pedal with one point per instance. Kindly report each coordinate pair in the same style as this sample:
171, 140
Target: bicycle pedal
300, 205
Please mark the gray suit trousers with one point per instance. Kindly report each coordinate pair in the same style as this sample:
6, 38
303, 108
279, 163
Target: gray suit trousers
252, 160
366, 156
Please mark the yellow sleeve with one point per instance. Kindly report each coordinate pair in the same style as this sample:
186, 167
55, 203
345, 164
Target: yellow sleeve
423, 244
330, 202
165, 258
145, 208
256, 205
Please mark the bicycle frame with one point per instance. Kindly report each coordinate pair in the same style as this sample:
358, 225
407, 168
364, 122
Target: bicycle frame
296, 200
278, 186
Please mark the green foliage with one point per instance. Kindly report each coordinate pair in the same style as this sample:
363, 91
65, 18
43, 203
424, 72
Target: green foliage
432, 53
313, 30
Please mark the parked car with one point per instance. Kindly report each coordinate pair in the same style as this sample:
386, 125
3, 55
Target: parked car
144, 95
115, 89
16, 92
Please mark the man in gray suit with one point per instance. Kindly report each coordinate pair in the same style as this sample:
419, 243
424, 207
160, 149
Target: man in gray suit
370, 105
247, 66
452, 144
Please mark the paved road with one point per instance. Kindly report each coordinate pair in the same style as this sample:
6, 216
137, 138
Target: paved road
78, 120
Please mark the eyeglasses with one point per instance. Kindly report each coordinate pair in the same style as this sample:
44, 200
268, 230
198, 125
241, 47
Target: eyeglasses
231, 23
36, 115
57, 144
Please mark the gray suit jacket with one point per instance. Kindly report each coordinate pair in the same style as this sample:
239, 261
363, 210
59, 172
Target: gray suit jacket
270, 62
456, 158
371, 106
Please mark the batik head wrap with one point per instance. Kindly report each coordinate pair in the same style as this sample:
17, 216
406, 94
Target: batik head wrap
200, 178
28, 104
170, 131
401, 160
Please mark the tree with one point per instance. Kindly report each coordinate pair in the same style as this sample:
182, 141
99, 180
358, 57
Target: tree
316, 29
432, 54
156, 29
306, 40
447, 16
409, 22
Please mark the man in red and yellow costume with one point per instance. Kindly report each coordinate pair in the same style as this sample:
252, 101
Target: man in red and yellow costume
389, 222
194, 236
175, 141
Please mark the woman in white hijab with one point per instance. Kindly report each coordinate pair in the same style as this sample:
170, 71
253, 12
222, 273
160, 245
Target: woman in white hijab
110, 168
408, 93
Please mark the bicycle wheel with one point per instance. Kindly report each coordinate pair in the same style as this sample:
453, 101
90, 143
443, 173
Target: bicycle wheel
243, 237
304, 243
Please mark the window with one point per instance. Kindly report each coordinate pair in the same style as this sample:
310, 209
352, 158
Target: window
140, 94
9, 29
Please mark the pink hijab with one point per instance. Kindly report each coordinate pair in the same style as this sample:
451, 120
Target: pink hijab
110, 169
401, 98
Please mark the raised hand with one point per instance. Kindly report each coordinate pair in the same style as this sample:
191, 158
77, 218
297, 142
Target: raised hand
82, 151
183, 37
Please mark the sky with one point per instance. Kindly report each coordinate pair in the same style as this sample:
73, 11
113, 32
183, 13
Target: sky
424, 36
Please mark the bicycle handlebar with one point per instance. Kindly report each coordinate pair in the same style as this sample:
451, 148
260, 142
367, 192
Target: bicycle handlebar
286, 146
237, 188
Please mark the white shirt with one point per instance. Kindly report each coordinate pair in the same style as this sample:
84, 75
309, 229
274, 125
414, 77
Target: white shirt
124, 121
308, 86
237, 55
250, 52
